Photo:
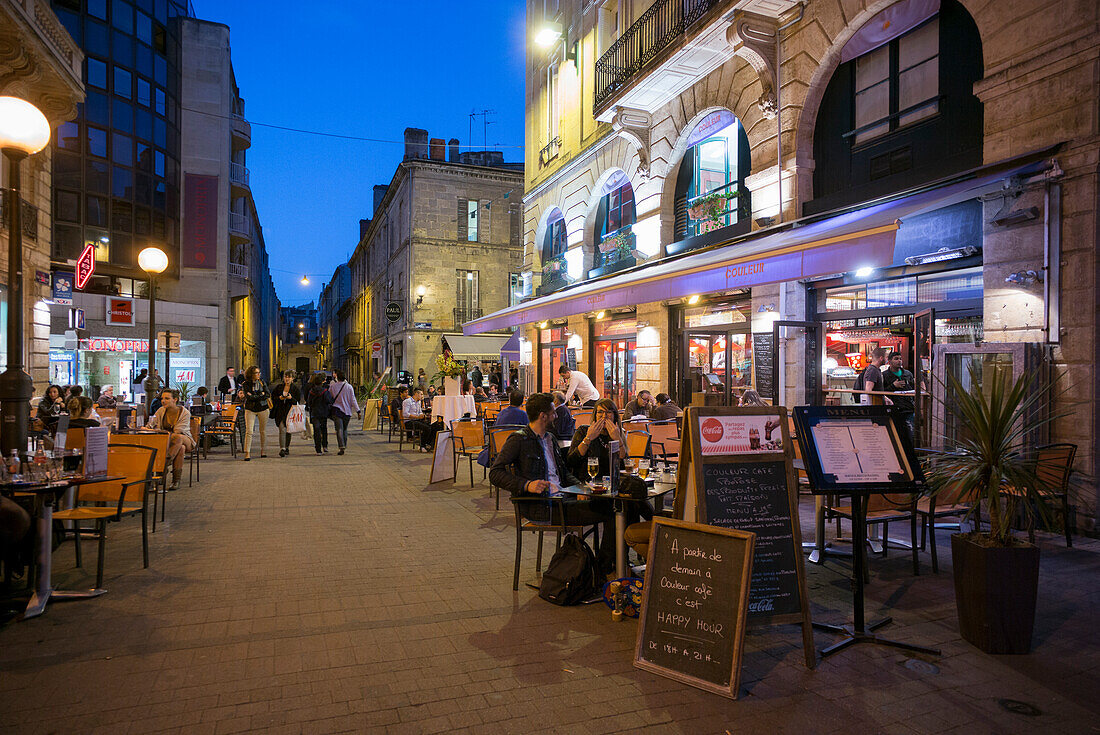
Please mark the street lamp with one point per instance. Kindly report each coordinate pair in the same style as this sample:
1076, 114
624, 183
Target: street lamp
153, 261
24, 131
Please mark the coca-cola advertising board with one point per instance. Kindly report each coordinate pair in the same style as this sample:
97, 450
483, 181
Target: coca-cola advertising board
739, 434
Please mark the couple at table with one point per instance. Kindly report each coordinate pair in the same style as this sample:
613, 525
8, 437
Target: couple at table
530, 464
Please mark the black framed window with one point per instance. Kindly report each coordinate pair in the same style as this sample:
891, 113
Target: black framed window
122, 149
98, 8
554, 242
96, 73
122, 16
97, 142
897, 84
68, 136
66, 206
124, 83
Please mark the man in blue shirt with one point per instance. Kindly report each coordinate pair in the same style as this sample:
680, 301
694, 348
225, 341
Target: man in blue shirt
513, 415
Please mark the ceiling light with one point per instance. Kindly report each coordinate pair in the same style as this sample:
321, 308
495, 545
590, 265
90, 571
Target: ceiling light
693, 299
601, 315
864, 272
542, 325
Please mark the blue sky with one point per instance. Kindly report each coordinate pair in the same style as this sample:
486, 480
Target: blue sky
366, 68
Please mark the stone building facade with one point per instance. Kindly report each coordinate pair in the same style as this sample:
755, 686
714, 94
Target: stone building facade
40, 63
752, 121
444, 246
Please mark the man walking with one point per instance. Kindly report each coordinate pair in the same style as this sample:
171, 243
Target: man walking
871, 378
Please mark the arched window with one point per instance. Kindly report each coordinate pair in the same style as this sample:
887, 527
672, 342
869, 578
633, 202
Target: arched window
710, 184
554, 242
615, 216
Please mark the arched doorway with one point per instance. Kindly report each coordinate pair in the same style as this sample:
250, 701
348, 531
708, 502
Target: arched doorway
710, 191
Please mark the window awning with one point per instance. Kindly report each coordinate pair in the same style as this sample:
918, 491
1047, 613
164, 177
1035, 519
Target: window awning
510, 350
480, 347
813, 246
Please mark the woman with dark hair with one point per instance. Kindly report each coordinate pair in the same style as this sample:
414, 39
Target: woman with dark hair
343, 403
257, 404
51, 406
592, 440
319, 401
176, 420
285, 396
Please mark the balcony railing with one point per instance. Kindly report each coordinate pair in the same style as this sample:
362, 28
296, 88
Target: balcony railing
550, 151
238, 174
657, 29
29, 216
238, 270
238, 224
463, 315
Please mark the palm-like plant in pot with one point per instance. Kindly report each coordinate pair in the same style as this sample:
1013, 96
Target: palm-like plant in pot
992, 466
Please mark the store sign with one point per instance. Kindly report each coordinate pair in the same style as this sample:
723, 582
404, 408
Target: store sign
186, 375
42, 277
200, 222
393, 311
85, 266
713, 123
76, 319
63, 288
114, 344
120, 311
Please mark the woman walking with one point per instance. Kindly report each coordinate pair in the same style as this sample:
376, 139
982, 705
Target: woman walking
285, 396
257, 403
343, 403
176, 420
318, 401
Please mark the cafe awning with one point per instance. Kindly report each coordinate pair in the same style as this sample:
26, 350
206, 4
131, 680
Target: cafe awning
510, 350
479, 347
806, 248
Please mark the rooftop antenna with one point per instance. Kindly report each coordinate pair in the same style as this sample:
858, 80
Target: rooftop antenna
484, 115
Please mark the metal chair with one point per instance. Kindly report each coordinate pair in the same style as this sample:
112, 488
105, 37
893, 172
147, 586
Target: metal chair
469, 438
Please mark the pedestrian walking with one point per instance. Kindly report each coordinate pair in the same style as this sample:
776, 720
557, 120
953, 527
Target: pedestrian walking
284, 396
343, 403
257, 403
318, 401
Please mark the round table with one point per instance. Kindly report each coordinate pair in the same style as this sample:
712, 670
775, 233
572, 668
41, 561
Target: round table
453, 407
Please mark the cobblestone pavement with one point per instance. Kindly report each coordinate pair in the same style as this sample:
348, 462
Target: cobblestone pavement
333, 594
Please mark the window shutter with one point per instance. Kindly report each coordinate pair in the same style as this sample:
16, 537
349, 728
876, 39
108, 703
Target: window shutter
462, 215
483, 231
515, 230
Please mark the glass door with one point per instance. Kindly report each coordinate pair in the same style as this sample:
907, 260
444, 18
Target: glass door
617, 360
719, 365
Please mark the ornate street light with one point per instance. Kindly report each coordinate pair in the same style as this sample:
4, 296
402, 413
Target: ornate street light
24, 131
153, 261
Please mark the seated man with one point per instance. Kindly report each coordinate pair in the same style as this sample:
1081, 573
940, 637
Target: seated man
512, 414
107, 397
640, 406
530, 465
415, 419
564, 423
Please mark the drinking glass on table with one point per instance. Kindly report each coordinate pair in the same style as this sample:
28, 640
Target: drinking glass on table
643, 468
593, 466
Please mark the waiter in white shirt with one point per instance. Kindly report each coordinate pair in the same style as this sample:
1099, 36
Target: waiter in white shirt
577, 383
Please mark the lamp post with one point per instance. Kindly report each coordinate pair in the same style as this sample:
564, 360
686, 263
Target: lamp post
153, 261
24, 131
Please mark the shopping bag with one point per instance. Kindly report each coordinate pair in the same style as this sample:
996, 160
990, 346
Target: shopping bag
296, 420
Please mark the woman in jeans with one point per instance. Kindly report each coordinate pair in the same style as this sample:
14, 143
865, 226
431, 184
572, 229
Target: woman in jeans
176, 420
257, 403
285, 396
319, 401
343, 403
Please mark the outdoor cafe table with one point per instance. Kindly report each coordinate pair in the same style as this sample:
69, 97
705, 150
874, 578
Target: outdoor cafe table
659, 490
45, 495
453, 407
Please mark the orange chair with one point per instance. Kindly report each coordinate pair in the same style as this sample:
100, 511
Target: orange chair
158, 441
665, 439
497, 437
115, 499
224, 426
469, 439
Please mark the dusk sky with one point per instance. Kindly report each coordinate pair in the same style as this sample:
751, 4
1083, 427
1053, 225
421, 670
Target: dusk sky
363, 68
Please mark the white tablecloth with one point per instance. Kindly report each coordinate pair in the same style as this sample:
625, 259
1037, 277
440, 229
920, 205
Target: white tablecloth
453, 407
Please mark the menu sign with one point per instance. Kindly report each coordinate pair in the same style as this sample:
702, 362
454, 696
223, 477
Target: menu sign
856, 450
744, 434
95, 450
763, 344
692, 623
753, 497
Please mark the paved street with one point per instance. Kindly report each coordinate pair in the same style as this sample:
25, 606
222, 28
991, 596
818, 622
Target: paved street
339, 594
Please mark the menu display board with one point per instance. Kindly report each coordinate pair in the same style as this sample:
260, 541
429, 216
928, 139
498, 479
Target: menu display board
95, 450
763, 345
753, 497
747, 482
692, 623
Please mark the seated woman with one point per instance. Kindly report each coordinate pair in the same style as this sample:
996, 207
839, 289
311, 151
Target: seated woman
176, 420
51, 406
593, 440
80, 412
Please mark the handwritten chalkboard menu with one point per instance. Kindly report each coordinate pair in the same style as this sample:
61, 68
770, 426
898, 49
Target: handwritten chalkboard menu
753, 497
763, 346
693, 612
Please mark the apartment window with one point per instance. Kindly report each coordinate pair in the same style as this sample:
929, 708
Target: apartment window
553, 93
466, 298
897, 84
515, 288
471, 220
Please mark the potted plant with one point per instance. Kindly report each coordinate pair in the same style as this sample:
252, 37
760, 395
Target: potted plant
992, 464
185, 392
711, 207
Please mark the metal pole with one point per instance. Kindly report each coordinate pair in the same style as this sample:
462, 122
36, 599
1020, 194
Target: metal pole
16, 386
150, 381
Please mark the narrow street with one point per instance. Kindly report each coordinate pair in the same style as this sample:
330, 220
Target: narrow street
337, 594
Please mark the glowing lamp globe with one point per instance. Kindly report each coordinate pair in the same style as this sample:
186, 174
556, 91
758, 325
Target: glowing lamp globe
153, 260
23, 127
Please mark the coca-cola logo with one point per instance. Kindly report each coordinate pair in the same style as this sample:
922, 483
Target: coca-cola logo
712, 430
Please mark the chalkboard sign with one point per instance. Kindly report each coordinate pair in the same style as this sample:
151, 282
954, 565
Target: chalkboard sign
571, 358
693, 611
752, 496
763, 351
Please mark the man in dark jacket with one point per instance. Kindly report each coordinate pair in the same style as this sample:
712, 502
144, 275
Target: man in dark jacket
564, 423
530, 465
228, 384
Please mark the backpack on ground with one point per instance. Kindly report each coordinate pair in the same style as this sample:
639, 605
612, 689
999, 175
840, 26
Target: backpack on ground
570, 578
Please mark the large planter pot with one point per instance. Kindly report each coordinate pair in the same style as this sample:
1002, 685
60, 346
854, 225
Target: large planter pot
995, 594
451, 387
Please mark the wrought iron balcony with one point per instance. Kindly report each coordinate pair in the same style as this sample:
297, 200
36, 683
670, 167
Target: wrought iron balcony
659, 28
29, 216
